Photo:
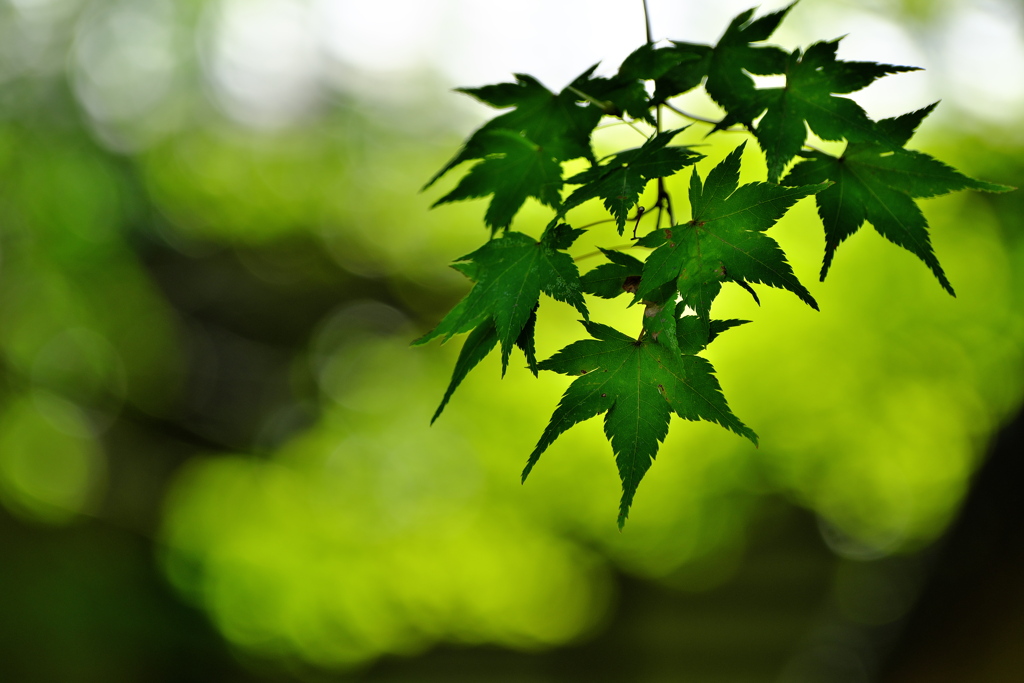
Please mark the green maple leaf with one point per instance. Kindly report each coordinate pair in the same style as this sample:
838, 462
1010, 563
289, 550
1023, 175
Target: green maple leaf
734, 58
812, 79
478, 344
514, 169
878, 183
618, 95
674, 70
521, 150
648, 63
621, 180
688, 334
510, 273
555, 122
637, 385
694, 335
609, 280
724, 241
687, 73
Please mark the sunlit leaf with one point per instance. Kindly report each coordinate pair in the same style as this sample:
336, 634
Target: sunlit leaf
876, 183
637, 385
725, 240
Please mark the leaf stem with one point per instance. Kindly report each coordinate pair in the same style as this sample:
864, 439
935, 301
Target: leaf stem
701, 119
664, 200
589, 98
603, 106
664, 195
621, 247
600, 222
647, 22
630, 124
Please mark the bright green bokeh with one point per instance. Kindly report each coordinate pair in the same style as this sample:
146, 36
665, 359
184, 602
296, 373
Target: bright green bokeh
51, 469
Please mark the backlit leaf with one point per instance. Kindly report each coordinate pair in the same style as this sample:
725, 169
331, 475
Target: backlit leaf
511, 271
874, 182
808, 99
637, 385
725, 240
620, 180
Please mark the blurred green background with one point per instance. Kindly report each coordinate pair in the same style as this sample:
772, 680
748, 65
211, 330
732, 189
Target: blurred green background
215, 458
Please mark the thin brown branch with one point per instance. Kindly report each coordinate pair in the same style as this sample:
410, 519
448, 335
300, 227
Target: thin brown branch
647, 22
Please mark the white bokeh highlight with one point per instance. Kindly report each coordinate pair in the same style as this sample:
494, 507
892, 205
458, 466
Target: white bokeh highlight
271, 60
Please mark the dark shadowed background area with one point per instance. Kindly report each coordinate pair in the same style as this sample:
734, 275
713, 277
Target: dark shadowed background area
216, 462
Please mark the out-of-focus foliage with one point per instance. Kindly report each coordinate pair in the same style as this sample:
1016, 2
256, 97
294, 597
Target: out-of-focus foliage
50, 463
176, 278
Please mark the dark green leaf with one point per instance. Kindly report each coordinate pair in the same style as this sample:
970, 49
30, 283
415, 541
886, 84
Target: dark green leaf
686, 74
638, 385
462, 318
467, 268
478, 344
660, 322
694, 333
549, 128
512, 271
648, 62
725, 240
560, 236
812, 78
621, 180
525, 340
878, 184
554, 122
734, 58
619, 95
899, 129
476, 347
612, 279
720, 326
514, 170
674, 69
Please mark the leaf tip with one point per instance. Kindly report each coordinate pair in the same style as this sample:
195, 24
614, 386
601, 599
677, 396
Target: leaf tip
424, 338
995, 188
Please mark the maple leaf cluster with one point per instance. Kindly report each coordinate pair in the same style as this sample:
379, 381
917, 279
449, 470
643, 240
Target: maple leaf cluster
637, 383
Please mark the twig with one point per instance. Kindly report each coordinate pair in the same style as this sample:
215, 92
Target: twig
601, 222
647, 21
621, 247
701, 119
